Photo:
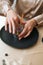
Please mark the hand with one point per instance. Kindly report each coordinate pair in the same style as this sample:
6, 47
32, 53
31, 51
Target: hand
30, 24
11, 19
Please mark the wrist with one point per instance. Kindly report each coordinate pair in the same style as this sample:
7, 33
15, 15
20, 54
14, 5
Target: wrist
8, 10
35, 22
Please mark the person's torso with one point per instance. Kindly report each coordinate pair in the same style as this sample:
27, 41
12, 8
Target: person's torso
29, 8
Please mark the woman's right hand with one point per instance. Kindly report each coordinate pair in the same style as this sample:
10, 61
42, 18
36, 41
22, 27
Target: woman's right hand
11, 19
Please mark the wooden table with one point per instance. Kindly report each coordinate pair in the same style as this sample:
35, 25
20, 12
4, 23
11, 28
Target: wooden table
30, 56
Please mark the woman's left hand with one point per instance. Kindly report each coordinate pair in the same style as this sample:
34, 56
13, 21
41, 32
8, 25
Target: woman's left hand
28, 27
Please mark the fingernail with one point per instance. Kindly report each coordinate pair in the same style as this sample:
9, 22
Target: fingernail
24, 37
20, 38
5, 30
13, 32
10, 31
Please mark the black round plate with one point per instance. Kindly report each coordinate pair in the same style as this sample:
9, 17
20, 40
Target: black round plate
13, 41
0, 33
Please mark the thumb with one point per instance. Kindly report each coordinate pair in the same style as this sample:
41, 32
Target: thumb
22, 21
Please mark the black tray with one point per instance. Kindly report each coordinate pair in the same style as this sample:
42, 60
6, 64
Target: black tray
13, 41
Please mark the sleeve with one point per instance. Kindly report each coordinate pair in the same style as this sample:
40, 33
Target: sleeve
4, 6
13, 7
39, 19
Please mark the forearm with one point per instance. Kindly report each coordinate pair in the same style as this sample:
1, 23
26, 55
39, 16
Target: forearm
39, 19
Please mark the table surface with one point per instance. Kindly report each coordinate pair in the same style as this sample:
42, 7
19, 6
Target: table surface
30, 56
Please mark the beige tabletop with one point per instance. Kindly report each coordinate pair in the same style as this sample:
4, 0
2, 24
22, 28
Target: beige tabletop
30, 56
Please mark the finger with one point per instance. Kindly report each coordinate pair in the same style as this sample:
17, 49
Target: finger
9, 26
22, 22
23, 32
13, 26
15, 18
22, 36
27, 34
16, 21
6, 23
29, 31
